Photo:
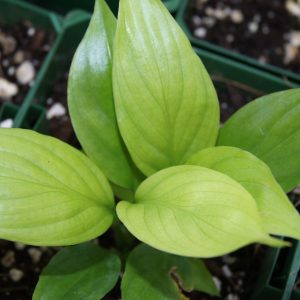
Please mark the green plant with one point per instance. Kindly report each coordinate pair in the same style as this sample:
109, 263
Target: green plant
143, 105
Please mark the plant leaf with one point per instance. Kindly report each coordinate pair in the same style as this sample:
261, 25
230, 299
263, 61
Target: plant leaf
152, 274
166, 104
193, 211
269, 127
90, 99
51, 193
277, 213
80, 272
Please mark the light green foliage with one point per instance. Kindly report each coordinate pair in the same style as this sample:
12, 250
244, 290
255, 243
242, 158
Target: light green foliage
152, 274
82, 272
166, 104
193, 211
152, 104
269, 127
51, 194
90, 99
277, 213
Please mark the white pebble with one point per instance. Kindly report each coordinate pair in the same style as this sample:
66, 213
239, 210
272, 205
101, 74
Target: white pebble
293, 8
196, 20
5, 63
218, 283
228, 259
226, 271
265, 29
257, 18
35, 254
31, 31
8, 259
19, 246
209, 11
16, 274
8, 43
19, 57
200, 32
7, 123
290, 53
230, 38
253, 27
25, 73
237, 16
56, 110
232, 297
220, 14
209, 21
49, 101
7, 89
294, 38
11, 71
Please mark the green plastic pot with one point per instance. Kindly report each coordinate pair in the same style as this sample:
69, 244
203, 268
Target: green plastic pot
278, 275
35, 121
13, 11
283, 73
64, 6
73, 29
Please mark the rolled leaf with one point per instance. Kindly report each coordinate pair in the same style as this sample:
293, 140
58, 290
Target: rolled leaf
90, 99
166, 104
153, 274
269, 127
193, 211
80, 272
278, 215
50, 193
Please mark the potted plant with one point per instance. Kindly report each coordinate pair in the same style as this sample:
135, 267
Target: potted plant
263, 34
183, 194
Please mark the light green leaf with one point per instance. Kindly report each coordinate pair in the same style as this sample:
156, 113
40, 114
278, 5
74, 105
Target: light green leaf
90, 99
50, 193
269, 127
152, 274
193, 211
166, 105
82, 272
277, 213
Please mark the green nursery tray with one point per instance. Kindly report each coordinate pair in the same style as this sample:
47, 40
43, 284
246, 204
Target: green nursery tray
13, 11
64, 6
36, 118
74, 27
283, 73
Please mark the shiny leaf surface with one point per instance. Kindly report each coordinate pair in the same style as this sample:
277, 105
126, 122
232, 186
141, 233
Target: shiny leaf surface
166, 104
50, 193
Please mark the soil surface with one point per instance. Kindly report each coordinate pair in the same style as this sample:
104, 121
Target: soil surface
266, 30
22, 51
60, 125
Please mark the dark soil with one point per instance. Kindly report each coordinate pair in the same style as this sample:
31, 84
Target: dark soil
22, 51
60, 125
266, 30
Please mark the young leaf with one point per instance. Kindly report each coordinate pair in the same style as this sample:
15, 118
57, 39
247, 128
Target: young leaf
80, 272
50, 193
269, 127
277, 213
166, 104
90, 99
193, 211
152, 274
